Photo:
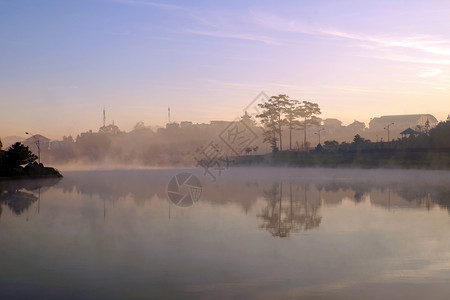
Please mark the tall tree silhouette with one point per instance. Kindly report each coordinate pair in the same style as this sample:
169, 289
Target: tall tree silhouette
273, 119
308, 111
19, 154
281, 218
292, 112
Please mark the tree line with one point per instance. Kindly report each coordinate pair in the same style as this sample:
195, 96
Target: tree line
281, 111
431, 139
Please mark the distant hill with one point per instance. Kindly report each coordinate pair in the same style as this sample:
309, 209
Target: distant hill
9, 140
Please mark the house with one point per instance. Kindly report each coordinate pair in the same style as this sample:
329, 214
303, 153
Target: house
402, 121
33, 141
332, 123
408, 132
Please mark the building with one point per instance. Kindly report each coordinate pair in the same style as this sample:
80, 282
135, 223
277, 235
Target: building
402, 121
31, 142
332, 123
109, 129
219, 124
185, 124
408, 132
357, 126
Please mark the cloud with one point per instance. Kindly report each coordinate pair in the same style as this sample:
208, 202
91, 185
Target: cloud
412, 59
430, 73
276, 23
357, 89
240, 36
426, 43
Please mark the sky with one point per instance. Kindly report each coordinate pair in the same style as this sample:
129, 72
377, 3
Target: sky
62, 61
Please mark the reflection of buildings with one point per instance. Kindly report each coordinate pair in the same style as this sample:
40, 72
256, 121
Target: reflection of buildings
143, 185
293, 207
289, 207
292, 213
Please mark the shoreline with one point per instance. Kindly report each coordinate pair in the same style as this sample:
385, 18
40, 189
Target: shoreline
427, 160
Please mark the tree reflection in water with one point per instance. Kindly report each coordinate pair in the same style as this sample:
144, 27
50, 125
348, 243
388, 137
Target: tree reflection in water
18, 201
294, 213
17, 195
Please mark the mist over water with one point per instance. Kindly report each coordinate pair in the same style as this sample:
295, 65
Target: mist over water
171, 149
254, 233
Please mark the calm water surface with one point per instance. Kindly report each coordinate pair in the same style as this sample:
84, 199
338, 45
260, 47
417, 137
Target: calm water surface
254, 233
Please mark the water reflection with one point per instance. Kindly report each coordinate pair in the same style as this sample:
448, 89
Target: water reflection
292, 203
108, 233
19, 195
284, 215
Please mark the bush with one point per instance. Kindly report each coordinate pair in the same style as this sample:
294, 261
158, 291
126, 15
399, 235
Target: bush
18, 155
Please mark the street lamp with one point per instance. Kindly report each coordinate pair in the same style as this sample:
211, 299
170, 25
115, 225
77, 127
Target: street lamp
318, 133
36, 141
387, 128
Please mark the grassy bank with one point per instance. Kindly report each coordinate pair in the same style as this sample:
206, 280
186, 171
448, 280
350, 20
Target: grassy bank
373, 158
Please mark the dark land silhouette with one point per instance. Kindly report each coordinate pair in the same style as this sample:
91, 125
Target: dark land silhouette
18, 155
289, 130
430, 149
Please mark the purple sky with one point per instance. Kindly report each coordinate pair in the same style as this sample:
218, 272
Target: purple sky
62, 61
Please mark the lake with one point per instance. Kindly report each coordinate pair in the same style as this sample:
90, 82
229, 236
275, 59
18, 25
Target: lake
259, 233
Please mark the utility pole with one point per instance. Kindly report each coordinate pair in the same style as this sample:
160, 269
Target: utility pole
318, 133
104, 117
36, 141
39, 200
168, 113
387, 128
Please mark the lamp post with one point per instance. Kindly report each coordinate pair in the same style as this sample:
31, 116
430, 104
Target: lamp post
36, 141
318, 133
387, 128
